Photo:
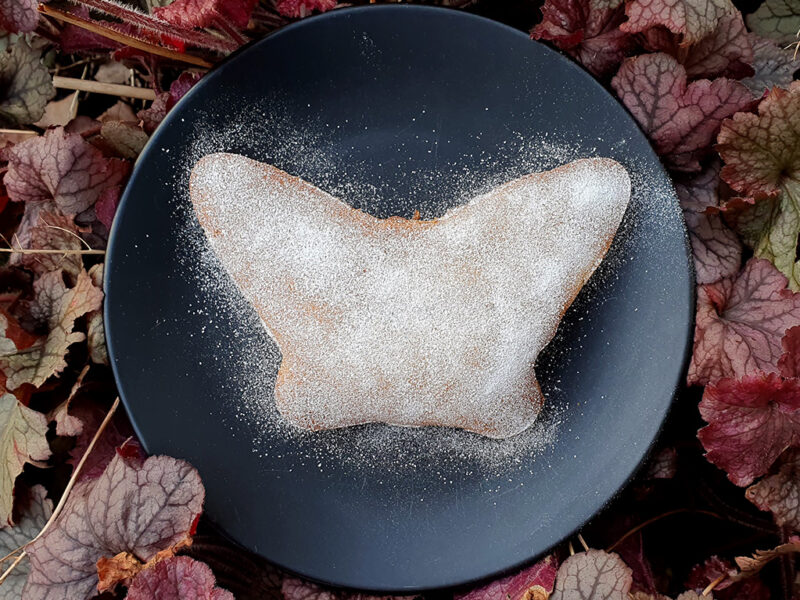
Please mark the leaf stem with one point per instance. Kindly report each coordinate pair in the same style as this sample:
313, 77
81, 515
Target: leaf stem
658, 518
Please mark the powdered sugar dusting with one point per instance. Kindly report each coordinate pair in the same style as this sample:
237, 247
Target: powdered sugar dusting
409, 322
379, 448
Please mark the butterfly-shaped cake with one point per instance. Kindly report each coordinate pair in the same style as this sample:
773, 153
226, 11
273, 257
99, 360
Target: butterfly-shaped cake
406, 321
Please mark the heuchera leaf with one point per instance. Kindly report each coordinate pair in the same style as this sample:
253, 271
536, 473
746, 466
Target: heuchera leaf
740, 322
695, 19
125, 139
135, 507
780, 493
18, 15
681, 120
62, 168
58, 306
762, 161
25, 85
725, 52
716, 248
789, 362
534, 583
751, 421
593, 575
206, 13
776, 19
152, 116
587, 30
302, 8
35, 514
177, 578
22, 440
772, 66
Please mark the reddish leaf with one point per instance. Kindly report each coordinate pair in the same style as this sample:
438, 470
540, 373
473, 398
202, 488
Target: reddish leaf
695, 19
663, 465
776, 19
106, 206
773, 66
716, 248
780, 493
206, 13
789, 362
25, 84
62, 168
751, 421
109, 515
302, 8
152, 116
725, 52
740, 322
177, 578
52, 232
593, 575
631, 551
588, 30
761, 161
18, 15
534, 583
681, 120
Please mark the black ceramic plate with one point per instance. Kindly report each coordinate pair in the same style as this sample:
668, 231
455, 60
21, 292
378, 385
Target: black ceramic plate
394, 108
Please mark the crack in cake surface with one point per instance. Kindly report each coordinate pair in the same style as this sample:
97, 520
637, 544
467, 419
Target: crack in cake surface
402, 321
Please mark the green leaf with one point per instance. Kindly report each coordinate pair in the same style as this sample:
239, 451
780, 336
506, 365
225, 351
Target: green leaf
25, 85
776, 19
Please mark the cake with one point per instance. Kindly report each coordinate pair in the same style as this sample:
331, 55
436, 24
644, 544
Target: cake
405, 321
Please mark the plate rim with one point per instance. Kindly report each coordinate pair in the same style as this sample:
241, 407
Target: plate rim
345, 12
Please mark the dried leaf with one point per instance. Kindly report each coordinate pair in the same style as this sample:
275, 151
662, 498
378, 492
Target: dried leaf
751, 421
22, 440
533, 583
593, 575
18, 15
59, 112
740, 322
178, 578
695, 19
58, 306
715, 569
125, 139
95, 328
773, 66
37, 510
52, 232
751, 566
725, 52
112, 72
135, 507
716, 249
62, 168
681, 120
780, 493
762, 161
297, 9
587, 30
776, 19
25, 85
120, 111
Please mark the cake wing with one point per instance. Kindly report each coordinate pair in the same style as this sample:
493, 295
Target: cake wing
402, 321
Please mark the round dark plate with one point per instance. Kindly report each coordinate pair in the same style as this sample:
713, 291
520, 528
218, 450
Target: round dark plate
394, 108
